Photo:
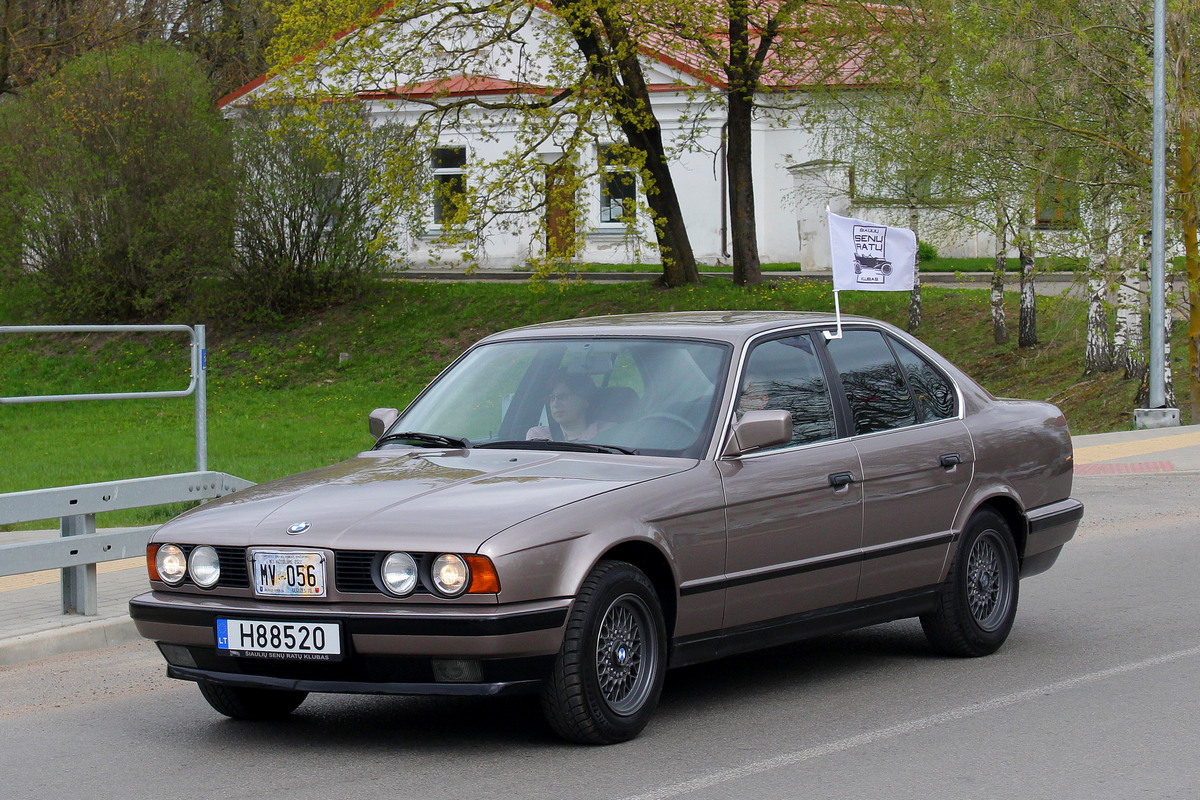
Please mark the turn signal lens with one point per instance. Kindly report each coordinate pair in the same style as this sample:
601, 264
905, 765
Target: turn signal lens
399, 573
171, 564
204, 566
450, 574
484, 579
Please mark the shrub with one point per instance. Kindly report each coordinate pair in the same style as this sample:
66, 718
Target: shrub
312, 226
123, 184
926, 252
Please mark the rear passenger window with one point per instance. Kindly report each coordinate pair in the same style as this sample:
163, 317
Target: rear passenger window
786, 374
877, 392
934, 392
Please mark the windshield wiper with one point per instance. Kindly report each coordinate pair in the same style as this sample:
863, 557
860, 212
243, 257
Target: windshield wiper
423, 440
548, 444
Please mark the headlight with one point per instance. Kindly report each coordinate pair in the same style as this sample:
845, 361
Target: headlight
204, 566
450, 574
171, 564
398, 573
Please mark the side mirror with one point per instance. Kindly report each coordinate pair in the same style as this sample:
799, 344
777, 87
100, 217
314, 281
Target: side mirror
380, 420
758, 429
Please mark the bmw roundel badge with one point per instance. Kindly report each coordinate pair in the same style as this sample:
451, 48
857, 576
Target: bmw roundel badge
298, 527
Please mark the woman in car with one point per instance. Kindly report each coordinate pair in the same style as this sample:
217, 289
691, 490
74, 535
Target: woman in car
570, 402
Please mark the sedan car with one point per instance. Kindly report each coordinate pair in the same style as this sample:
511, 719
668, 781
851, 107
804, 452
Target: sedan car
572, 508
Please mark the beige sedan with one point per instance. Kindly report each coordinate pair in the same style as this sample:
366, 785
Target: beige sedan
572, 508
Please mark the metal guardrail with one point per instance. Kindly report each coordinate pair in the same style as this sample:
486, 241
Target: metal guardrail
197, 386
79, 546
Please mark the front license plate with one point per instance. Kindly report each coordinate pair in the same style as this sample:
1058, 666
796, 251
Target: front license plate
289, 573
306, 641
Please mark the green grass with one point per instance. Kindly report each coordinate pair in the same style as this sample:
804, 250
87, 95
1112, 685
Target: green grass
297, 397
939, 264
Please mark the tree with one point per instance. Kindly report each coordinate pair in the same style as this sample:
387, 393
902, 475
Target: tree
1082, 72
311, 224
230, 38
122, 167
906, 153
571, 75
742, 48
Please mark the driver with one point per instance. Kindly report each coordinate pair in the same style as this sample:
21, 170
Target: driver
570, 402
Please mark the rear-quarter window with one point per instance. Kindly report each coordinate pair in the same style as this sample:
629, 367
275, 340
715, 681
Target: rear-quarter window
877, 392
933, 391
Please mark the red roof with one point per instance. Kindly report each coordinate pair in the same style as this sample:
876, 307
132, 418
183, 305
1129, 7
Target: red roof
673, 53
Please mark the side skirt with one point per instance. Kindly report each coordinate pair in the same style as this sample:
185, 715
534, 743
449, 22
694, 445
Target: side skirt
784, 630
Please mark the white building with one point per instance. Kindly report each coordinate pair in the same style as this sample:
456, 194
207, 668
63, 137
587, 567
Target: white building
793, 182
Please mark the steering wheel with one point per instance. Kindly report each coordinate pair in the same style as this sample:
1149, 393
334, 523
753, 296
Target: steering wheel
666, 416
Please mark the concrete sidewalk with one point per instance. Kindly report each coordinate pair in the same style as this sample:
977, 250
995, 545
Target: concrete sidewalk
32, 625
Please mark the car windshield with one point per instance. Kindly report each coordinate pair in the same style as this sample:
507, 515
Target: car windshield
642, 395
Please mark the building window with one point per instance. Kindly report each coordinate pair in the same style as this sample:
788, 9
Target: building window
618, 188
327, 210
449, 182
1057, 205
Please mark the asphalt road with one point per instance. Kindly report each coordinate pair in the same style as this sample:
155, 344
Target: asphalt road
1095, 695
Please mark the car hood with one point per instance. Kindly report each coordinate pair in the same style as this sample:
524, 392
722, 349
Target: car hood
418, 500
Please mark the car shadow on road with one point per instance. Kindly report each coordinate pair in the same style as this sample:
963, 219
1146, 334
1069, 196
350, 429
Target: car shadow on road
797, 667
365, 724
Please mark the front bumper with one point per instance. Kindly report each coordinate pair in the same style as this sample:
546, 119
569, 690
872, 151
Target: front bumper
386, 650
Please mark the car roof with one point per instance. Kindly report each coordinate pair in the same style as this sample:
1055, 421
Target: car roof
729, 326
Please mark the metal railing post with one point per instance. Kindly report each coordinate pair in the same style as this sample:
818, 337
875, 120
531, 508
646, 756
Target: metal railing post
77, 506
200, 356
79, 583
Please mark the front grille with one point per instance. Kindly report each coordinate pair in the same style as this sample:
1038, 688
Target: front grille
234, 573
353, 570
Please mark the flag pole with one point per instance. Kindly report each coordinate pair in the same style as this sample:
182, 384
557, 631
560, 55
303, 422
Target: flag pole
837, 308
837, 303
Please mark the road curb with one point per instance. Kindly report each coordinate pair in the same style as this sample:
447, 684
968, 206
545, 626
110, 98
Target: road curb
70, 638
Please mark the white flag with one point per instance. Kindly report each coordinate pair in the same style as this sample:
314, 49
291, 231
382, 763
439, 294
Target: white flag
870, 257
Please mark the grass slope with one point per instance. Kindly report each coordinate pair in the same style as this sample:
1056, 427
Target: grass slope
297, 397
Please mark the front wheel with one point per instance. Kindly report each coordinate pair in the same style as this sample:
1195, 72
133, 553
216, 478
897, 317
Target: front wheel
240, 702
609, 671
978, 602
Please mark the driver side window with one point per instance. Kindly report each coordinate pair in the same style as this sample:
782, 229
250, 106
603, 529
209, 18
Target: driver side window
786, 374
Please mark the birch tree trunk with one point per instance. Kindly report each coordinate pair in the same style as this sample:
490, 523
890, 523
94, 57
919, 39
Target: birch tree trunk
999, 320
914, 298
1128, 338
1098, 352
1027, 323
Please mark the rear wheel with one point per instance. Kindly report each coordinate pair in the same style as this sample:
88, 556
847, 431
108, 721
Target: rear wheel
241, 702
978, 602
609, 671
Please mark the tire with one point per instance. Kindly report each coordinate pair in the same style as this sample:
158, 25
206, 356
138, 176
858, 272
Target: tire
977, 604
240, 702
608, 674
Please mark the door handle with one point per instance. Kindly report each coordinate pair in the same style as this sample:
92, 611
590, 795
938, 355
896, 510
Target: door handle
949, 460
839, 480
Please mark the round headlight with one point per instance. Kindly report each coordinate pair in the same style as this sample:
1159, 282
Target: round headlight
204, 566
171, 564
399, 573
450, 574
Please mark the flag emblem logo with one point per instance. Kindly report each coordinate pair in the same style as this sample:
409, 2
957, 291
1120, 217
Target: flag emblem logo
872, 257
